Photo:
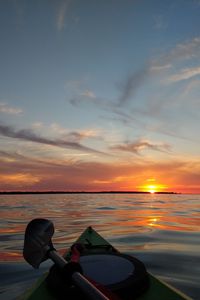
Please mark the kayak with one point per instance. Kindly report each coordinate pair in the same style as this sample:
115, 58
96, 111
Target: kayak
123, 275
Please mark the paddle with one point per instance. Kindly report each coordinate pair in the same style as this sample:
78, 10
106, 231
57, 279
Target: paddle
38, 247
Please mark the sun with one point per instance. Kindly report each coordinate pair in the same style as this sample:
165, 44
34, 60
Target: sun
153, 187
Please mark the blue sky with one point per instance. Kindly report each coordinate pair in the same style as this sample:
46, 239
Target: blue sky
99, 95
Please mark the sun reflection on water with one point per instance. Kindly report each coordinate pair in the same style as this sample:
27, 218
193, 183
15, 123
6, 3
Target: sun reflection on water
113, 216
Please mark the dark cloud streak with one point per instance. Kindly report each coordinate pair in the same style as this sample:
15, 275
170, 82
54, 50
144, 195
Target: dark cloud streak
132, 84
138, 146
29, 135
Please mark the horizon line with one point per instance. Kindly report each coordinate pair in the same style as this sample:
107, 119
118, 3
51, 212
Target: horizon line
86, 192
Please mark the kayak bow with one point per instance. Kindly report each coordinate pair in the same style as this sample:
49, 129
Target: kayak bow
102, 264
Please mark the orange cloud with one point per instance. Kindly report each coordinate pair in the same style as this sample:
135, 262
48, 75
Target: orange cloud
74, 175
18, 179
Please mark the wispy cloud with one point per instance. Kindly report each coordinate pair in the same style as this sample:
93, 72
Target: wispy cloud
131, 85
157, 68
187, 50
160, 65
138, 146
64, 6
191, 86
88, 97
8, 157
7, 109
74, 136
29, 135
157, 107
128, 87
184, 74
182, 51
89, 94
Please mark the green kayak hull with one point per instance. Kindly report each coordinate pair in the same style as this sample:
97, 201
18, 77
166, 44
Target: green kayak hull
158, 290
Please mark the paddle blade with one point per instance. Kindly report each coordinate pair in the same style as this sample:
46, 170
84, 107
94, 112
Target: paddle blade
37, 241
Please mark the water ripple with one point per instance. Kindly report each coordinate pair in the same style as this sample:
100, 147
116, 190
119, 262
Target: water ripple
161, 230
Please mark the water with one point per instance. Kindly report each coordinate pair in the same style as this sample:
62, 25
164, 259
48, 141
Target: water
161, 230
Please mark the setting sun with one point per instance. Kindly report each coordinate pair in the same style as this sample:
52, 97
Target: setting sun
152, 187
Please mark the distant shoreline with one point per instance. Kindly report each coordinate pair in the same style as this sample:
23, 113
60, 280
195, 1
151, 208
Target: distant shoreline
80, 192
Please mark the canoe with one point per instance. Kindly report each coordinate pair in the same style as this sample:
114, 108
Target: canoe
122, 274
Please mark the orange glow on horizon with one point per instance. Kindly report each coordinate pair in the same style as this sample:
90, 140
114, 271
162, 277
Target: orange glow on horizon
42, 182
153, 187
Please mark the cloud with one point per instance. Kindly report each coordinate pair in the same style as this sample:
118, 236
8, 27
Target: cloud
19, 179
127, 118
158, 68
72, 136
187, 50
182, 51
127, 90
157, 104
64, 6
191, 87
140, 145
90, 176
84, 134
154, 67
184, 74
29, 135
88, 93
84, 98
9, 157
131, 85
5, 108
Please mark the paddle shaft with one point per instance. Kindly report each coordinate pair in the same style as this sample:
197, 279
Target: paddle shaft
78, 279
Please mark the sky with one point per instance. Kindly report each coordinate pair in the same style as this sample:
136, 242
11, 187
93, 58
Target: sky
100, 95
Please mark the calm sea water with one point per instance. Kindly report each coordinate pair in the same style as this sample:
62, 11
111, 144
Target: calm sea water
161, 230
